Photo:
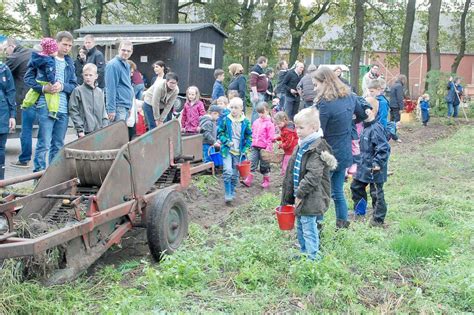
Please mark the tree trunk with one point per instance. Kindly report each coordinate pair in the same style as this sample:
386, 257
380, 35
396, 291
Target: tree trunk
99, 11
462, 46
247, 9
433, 34
76, 15
295, 47
405, 48
169, 11
358, 42
269, 27
44, 19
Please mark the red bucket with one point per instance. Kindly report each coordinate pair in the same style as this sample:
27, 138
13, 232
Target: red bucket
244, 168
286, 217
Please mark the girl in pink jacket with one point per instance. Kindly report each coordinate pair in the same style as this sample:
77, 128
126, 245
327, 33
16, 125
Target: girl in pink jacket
263, 135
193, 110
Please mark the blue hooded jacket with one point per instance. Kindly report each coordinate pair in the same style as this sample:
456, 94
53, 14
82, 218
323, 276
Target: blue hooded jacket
46, 67
7, 98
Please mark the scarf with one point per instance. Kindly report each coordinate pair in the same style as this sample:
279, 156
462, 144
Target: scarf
303, 147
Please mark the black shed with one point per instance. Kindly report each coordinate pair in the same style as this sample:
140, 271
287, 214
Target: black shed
193, 50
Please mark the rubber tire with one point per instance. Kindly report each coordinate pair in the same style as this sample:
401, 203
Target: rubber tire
167, 204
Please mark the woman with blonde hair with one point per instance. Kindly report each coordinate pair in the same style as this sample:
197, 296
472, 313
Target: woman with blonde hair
238, 81
337, 104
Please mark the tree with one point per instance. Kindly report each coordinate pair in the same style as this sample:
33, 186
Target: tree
462, 37
300, 20
433, 51
169, 11
44, 18
407, 33
358, 42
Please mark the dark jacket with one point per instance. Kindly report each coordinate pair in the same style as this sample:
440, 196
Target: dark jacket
306, 86
290, 82
281, 77
18, 64
336, 122
374, 151
239, 83
396, 95
258, 79
314, 188
69, 83
96, 57
217, 90
7, 98
78, 65
87, 109
46, 67
208, 129
269, 94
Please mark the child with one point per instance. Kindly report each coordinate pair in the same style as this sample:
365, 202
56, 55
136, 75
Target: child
307, 179
208, 128
425, 108
193, 110
376, 89
45, 65
235, 137
263, 134
372, 167
232, 93
218, 88
288, 138
223, 103
140, 125
86, 104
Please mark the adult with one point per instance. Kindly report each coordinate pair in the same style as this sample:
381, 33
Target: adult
289, 85
282, 71
371, 75
119, 91
79, 64
160, 70
336, 106
338, 72
258, 85
396, 97
454, 96
159, 100
7, 111
17, 61
238, 82
306, 87
52, 131
138, 83
96, 57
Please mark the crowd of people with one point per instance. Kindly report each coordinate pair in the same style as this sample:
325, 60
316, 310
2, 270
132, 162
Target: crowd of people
327, 132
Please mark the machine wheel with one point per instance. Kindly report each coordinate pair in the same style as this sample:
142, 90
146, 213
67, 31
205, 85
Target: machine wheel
167, 223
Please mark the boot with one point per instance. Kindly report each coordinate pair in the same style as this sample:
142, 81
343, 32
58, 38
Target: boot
228, 192
248, 180
342, 224
266, 182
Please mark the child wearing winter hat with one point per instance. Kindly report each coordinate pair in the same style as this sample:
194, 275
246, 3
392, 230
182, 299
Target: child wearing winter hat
307, 182
44, 65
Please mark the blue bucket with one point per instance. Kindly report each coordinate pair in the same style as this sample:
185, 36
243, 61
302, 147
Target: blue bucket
216, 157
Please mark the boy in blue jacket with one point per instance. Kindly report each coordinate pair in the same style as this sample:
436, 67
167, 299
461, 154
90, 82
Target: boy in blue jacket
376, 89
372, 167
425, 108
218, 88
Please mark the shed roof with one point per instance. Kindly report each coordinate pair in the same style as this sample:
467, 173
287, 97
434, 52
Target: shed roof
145, 28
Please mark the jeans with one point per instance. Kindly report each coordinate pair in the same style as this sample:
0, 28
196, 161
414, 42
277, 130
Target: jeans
51, 135
425, 116
231, 174
205, 152
261, 98
149, 118
376, 194
394, 114
291, 106
281, 105
3, 142
337, 194
308, 235
28, 117
256, 159
121, 113
453, 109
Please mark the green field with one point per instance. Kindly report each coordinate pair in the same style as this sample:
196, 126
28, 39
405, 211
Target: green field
422, 262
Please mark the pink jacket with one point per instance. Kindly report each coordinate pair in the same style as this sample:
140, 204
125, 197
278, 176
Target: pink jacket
191, 114
263, 133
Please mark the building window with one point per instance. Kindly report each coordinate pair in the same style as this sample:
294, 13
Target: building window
207, 53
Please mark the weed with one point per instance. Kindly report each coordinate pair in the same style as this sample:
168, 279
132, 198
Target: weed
413, 247
203, 182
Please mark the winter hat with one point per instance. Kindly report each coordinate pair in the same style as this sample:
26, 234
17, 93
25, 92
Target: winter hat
48, 46
215, 109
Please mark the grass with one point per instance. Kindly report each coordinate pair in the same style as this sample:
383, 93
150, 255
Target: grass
421, 263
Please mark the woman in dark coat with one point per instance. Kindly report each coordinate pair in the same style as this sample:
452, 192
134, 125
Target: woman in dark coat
337, 105
7, 111
238, 81
79, 64
396, 97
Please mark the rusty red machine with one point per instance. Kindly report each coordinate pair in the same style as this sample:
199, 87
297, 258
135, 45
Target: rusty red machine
101, 186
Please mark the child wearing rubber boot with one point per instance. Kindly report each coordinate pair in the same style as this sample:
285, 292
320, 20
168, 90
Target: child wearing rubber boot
263, 134
288, 138
307, 182
372, 167
235, 137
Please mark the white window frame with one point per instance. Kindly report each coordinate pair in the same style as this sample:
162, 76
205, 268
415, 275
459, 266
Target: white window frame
213, 47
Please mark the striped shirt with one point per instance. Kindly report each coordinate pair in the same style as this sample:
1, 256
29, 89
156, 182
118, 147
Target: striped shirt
296, 170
